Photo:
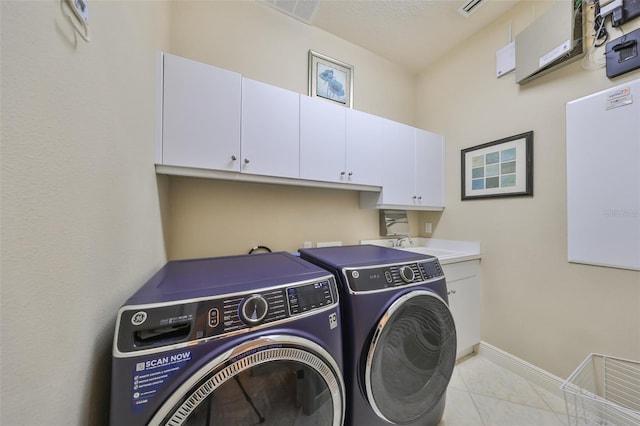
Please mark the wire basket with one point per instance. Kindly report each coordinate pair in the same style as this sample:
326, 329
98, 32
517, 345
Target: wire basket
603, 390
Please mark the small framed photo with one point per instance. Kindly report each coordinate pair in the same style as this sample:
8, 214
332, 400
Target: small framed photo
501, 168
330, 79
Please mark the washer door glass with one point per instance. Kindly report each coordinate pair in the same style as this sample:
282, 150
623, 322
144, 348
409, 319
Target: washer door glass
411, 357
262, 382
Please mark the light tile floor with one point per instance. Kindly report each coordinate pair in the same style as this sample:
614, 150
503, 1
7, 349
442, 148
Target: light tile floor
482, 393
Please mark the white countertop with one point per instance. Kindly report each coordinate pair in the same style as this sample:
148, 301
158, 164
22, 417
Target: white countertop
447, 251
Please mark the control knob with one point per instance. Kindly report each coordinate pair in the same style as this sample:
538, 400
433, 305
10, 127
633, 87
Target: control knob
407, 274
253, 310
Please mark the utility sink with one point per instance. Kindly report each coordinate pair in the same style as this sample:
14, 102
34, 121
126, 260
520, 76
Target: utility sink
447, 251
439, 253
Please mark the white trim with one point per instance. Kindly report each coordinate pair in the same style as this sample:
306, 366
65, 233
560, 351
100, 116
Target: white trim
159, 108
247, 177
522, 368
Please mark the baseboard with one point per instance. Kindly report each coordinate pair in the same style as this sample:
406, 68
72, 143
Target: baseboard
522, 368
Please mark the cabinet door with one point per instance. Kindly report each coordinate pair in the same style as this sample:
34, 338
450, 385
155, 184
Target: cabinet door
429, 169
398, 178
270, 130
322, 140
201, 115
364, 148
464, 302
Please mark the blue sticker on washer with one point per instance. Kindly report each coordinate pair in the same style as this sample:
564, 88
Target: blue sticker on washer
151, 375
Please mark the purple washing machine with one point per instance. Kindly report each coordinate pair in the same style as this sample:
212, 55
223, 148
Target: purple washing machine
399, 335
236, 340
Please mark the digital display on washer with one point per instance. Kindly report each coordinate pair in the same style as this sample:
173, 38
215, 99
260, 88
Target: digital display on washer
432, 269
307, 297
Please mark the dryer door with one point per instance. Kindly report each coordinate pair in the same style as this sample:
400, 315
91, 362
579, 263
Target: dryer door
411, 357
272, 380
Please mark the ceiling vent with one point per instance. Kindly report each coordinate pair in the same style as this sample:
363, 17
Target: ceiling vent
303, 10
469, 7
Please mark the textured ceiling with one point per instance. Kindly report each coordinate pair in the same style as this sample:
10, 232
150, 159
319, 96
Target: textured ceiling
409, 33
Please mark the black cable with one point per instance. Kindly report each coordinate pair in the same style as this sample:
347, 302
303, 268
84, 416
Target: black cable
248, 398
601, 35
267, 249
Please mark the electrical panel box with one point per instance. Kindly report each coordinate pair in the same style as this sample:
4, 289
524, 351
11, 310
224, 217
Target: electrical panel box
603, 178
551, 41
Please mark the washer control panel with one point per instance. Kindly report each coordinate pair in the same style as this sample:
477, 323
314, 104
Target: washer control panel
380, 277
141, 328
305, 298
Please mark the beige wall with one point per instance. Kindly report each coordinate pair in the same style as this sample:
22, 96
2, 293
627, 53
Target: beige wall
534, 303
208, 218
81, 225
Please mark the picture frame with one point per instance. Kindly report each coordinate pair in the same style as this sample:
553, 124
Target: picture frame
330, 79
502, 168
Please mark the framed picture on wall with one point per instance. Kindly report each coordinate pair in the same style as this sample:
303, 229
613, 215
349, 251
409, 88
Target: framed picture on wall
501, 168
330, 79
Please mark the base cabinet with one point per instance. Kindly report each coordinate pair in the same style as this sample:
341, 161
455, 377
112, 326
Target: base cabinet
463, 284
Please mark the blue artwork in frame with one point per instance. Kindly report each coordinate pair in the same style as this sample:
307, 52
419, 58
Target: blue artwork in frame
500, 168
330, 79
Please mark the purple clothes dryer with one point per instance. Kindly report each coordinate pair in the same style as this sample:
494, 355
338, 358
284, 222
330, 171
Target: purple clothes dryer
235, 340
399, 335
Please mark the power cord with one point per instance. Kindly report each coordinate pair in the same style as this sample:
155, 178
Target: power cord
601, 34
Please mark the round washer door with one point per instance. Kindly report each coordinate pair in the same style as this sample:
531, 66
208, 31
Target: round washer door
272, 380
411, 357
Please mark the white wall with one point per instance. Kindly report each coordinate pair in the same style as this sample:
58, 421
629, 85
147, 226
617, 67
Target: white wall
535, 304
81, 226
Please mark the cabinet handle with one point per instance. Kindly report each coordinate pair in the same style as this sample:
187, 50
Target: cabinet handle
350, 173
342, 173
451, 292
234, 158
420, 197
246, 161
415, 196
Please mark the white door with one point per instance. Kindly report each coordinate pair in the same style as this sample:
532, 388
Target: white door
429, 169
322, 140
270, 130
364, 148
398, 179
201, 115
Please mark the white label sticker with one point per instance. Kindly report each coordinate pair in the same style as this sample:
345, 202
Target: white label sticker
619, 102
554, 54
333, 320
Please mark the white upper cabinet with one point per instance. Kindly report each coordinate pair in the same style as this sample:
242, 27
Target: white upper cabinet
339, 144
322, 140
364, 148
412, 176
270, 130
429, 169
216, 123
201, 115
398, 159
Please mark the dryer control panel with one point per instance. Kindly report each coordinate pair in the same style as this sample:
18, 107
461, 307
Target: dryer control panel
380, 277
160, 325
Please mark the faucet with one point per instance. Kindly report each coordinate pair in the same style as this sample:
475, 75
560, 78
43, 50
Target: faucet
399, 242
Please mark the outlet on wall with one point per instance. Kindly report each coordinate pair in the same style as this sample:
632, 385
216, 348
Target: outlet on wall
428, 228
